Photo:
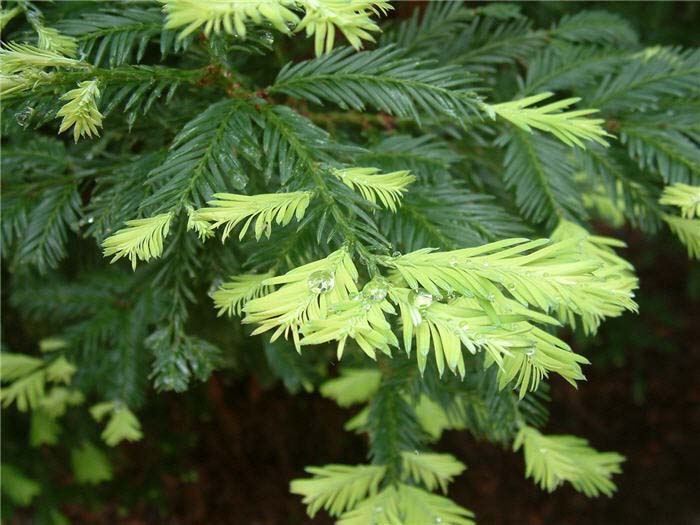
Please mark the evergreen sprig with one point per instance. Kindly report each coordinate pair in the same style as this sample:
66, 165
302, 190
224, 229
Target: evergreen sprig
426, 203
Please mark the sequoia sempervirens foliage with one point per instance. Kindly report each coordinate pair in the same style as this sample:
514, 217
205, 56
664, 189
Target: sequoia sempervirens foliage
412, 197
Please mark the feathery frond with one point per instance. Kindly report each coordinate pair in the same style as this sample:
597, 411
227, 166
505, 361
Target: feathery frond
595, 27
384, 79
51, 39
385, 187
337, 488
142, 239
265, 209
539, 273
114, 36
324, 17
228, 15
207, 156
541, 172
487, 42
687, 231
568, 126
122, 424
648, 78
665, 151
307, 292
81, 110
683, 196
551, 460
568, 67
355, 385
432, 470
403, 505
90, 465
20, 58
360, 318
231, 296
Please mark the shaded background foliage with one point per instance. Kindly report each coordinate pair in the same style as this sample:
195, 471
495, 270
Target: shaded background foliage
230, 445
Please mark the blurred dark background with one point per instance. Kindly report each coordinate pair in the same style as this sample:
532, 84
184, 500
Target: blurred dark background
225, 451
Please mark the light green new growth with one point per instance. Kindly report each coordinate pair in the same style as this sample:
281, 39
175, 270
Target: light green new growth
19, 58
549, 276
337, 488
20, 489
387, 188
230, 209
403, 505
360, 318
568, 126
523, 353
323, 17
355, 385
321, 20
57, 401
551, 460
306, 293
122, 424
432, 470
683, 196
51, 40
200, 226
234, 294
687, 231
142, 239
27, 377
81, 110
616, 271
90, 465
228, 15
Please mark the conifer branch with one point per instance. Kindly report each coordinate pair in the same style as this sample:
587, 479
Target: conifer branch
337, 488
387, 187
551, 460
567, 126
383, 79
142, 239
81, 110
231, 296
305, 295
683, 196
230, 210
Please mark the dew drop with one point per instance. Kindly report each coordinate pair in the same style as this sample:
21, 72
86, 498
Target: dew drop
421, 299
438, 519
464, 327
491, 297
375, 290
354, 296
454, 263
485, 265
511, 287
396, 254
90, 219
321, 282
530, 352
22, 117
